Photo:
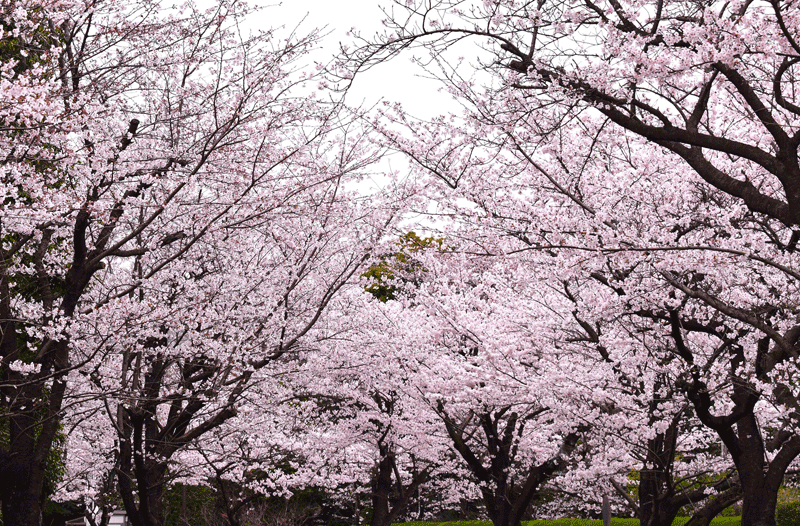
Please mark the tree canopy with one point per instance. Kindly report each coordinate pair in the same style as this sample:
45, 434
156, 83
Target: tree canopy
584, 283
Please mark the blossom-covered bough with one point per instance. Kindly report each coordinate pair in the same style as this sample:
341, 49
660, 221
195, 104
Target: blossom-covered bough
645, 154
177, 215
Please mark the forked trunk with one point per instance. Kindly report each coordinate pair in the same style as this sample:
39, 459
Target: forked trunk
148, 509
391, 498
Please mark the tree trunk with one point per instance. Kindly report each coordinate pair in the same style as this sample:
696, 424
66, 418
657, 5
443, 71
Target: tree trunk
656, 502
758, 505
381, 489
659, 513
23, 473
760, 481
706, 514
150, 487
184, 509
658, 505
24, 512
386, 505
21, 504
506, 500
498, 507
156, 487
141, 481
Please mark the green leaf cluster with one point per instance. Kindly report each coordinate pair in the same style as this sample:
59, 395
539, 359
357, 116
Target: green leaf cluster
30, 50
393, 271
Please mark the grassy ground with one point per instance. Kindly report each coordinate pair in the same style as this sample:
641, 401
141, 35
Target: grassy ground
680, 521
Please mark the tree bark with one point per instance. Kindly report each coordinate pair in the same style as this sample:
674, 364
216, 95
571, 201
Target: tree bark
21, 502
706, 514
389, 503
656, 507
506, 500
382, 488
760, 480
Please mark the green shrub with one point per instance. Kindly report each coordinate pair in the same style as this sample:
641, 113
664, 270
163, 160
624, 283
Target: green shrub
679, 521
615, 521
788, 514
199, 500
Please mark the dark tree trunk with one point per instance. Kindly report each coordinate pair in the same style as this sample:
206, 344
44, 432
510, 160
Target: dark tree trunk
760, 492
660, 497
382, 489
758, 507
658, 503
760, 480
20, 491
507, 500
661, 508
148, 509
390, 500
714, 507
654, 508
31, 426
499, 509
156, 487
142, 480
740, 432
146, 444
21, 503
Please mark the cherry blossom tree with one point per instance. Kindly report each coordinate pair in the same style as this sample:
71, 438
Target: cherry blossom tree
482, 360
177, 215
650, 150
679, 467
367, 421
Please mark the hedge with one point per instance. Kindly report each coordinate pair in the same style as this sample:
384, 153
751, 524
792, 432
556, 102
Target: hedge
679, 521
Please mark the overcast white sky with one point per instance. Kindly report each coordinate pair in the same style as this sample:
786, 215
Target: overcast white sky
399, 81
